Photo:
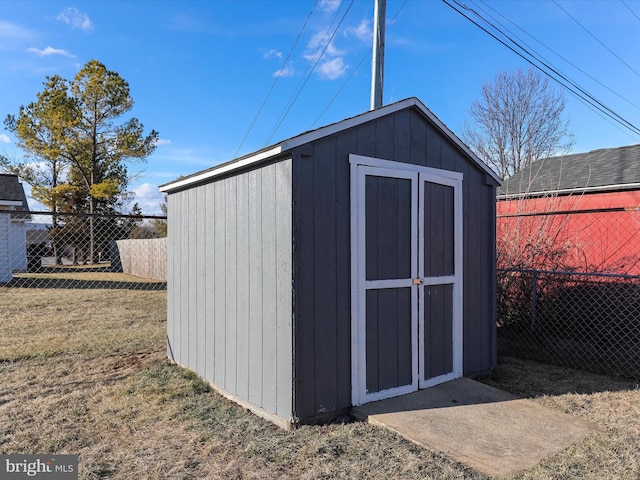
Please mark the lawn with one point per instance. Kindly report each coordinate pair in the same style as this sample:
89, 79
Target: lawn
85, 372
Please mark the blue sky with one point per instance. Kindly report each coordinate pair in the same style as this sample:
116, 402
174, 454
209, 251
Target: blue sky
199, 71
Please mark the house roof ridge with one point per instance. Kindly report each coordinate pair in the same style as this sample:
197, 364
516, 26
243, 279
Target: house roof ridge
601, 169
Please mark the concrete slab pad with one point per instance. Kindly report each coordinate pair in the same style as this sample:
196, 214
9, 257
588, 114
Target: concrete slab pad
490, 430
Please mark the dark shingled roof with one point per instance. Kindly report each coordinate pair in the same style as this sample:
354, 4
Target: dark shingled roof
608, 169
11, 190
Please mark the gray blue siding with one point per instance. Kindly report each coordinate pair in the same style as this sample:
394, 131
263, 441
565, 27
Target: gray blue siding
259, 271
229, 288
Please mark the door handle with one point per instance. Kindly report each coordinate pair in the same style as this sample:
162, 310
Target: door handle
417, 281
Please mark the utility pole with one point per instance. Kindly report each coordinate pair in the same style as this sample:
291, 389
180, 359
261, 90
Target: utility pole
377, 62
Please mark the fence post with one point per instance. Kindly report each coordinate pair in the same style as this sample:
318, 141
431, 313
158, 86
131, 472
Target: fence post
534, 299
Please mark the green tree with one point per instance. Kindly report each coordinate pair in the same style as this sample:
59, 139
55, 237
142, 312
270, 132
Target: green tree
41, 128
160, 225
79, 124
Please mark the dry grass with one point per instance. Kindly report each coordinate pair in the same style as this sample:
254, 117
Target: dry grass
612, 404
106, 392
38, 323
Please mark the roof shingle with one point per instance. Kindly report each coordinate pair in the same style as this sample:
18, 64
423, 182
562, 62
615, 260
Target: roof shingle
11, 191
608, 169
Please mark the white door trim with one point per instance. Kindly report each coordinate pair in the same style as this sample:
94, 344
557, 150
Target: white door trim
360, 167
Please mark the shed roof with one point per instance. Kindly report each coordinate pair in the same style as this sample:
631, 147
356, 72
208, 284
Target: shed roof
310, 136
12, 194
607, 169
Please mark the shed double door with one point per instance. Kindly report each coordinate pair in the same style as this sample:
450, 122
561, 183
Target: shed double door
407, 328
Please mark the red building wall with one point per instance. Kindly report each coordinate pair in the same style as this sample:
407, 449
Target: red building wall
586, 232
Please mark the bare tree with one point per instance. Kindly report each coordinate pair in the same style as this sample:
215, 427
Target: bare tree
517, 120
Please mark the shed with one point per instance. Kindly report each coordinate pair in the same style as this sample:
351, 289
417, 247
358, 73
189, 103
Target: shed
347, 264
13, 241
590, 200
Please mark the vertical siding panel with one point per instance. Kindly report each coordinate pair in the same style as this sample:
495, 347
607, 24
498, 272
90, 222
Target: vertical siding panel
179, 239
284, 312
255, 291
269, 272
434, 149
231, 275
366, 139
173, 285
325, 274
480, 266
402, 138
384, 138
219, 291
210, 261
180, 293
184, 282
491, 260
475, 283
201, 271
418, 153
192, 289
242, 277
304, 216
345, 145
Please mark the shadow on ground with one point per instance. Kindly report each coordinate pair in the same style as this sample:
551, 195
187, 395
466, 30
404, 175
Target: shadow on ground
530, 379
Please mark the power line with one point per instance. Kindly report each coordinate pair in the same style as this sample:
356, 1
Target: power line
344, 84
545, 68
306, 77
552, 51
596, 39
277, 77
629, 8
366, 55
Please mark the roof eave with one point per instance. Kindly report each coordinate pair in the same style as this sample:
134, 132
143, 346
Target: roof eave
322, 132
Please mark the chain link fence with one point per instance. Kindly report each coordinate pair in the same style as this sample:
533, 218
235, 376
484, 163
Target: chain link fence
569, 289
56, 250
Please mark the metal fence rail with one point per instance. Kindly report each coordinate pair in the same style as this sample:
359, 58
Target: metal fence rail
47, 250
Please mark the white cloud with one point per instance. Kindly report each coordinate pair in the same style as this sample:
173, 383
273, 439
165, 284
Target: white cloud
163, 141
273, 54
332, 69
49, 51
11, 32
329, 5
329, 58
76, 19
318, 43
148, 198
4, 138
286, 71
362, 32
